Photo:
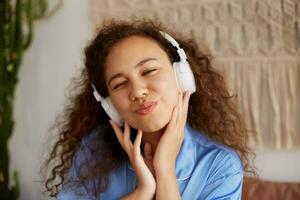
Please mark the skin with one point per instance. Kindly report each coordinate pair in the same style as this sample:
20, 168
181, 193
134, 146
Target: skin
146, 74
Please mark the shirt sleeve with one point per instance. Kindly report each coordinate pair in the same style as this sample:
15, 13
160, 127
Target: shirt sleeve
70, 191
74, 189
226, 178
229, 188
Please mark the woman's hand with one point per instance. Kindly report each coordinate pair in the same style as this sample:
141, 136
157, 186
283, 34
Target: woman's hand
146, 185
170, 142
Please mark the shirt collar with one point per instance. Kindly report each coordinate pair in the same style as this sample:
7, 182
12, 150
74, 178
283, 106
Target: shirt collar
186, 157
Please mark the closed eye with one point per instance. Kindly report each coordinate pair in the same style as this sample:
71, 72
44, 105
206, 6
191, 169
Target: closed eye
145, 73
118, 85
149, 71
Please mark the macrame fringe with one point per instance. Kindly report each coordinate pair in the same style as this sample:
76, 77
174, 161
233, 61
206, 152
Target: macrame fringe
257, 45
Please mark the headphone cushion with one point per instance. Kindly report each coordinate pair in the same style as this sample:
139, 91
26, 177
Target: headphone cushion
111, 111
184, 76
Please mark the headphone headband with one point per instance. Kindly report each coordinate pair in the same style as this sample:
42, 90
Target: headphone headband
170, 39
179, 50
96, 93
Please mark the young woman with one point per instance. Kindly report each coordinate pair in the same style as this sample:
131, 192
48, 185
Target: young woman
151, 119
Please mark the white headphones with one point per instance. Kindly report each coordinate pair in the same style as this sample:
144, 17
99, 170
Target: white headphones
183, 74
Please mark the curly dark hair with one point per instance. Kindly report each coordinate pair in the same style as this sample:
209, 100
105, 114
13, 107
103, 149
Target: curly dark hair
212, 110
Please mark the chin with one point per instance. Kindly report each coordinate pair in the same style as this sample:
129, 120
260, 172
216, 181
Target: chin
150, 124
150, 129
153, 126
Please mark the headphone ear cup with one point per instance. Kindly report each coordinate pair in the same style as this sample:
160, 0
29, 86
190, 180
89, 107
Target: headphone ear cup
177, 76
184, 76
111, 111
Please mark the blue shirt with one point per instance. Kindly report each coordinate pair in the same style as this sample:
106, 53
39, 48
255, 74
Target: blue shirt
205, 169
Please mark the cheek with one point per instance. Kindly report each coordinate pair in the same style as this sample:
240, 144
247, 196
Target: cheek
121, 106
169, 90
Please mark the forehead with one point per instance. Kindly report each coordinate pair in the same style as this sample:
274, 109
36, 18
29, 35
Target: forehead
128, 52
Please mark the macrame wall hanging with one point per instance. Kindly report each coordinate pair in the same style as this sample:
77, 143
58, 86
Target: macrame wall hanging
255, 43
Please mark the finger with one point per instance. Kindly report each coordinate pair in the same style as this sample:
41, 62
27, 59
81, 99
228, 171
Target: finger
126, 139
174, 115
185, 108
180, 96
117, 130
126, 131
137, 141
186, 100
179, 99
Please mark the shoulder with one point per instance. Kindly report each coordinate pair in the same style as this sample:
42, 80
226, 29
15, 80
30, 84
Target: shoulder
217, 169
90, 140
83, 160
86, 147
217, 157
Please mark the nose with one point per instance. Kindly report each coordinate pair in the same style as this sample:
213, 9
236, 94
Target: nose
139, 91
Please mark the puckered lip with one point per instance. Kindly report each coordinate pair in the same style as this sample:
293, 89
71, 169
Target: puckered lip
146, 107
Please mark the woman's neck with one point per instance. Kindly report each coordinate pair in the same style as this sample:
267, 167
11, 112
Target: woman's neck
153, 138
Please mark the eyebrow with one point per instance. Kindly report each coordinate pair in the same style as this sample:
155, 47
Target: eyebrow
136, 66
